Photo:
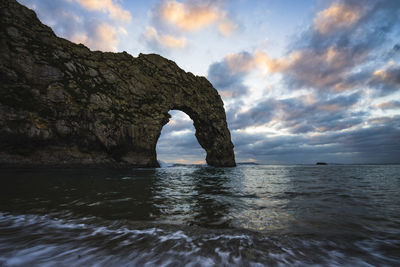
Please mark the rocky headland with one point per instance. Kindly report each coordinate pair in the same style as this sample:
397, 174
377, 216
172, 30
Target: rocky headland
62, 104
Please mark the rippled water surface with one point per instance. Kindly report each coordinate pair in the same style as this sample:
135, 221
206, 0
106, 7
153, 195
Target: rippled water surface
201, 216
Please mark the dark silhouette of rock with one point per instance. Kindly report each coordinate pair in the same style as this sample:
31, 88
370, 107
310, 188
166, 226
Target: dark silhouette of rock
62, 104
321, 163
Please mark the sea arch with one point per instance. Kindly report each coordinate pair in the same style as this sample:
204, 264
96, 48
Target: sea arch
195, 96
63, 104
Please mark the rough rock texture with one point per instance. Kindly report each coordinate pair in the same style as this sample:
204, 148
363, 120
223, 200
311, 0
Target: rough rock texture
62, 104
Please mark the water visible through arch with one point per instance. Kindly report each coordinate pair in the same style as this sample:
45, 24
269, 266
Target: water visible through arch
178, 143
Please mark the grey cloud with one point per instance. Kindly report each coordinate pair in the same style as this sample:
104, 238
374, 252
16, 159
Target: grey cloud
328, 60
179, 125
173, 143
387, 81
393, 53
258, 115
179, 146
377, 144
326, 114
389, 105
228, 82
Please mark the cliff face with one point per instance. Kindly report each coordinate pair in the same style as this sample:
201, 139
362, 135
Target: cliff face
62, 104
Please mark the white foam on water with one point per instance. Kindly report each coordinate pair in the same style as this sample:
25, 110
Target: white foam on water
29, 239
224, 255
25, 256
175, 236
230, 237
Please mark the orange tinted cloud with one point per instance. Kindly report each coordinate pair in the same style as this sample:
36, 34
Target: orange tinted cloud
226, 27
271, 65
107, 37
104, 38
114, 10
166, 40
389, 105
335, 17
318, 69
241, 62
79, 38
330, 107
192, 16
380, 74
389, 75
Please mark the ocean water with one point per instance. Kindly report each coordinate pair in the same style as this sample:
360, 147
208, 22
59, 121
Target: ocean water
261, 215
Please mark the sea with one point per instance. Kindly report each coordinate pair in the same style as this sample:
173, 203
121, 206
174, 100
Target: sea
196, 215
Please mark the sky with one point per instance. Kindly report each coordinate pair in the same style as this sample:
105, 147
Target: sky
302, 81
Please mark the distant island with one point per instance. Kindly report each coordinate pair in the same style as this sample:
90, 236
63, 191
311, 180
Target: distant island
321, 163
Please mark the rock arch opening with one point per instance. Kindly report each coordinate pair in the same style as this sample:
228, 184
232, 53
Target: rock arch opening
178, 143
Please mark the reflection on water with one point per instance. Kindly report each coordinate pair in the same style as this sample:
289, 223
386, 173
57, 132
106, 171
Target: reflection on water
346, 215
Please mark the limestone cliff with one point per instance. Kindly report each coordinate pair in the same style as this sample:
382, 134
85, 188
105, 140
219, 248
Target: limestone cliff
62, 104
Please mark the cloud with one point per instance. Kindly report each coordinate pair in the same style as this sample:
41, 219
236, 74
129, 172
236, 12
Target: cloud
178, 142
376, 144
195, 15
188, 16
344, 41
300, 114
245, 62
337, 52
239, 62
226, 27
177, 126
228, 80
316, 128
171, 22
260, 114
154, 39
103, 37
82, 25
228, 75
389, 105
337, 16
114, 10
325, 69
386, 80
172, 146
